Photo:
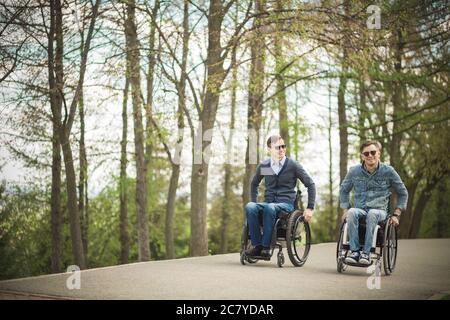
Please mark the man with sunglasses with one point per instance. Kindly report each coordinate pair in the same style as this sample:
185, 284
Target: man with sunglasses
280, 178
371, 182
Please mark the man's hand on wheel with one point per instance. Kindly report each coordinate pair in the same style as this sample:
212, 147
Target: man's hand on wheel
344, 215
308, 214
394, 218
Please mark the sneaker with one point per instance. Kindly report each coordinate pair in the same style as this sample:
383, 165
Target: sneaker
364, 259
254, 252
265, 253
353, 257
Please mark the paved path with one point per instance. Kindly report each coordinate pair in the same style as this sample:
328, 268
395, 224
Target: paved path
423, 270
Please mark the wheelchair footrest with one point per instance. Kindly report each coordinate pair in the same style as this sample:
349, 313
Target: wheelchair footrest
347, 247
358, 264
260, 258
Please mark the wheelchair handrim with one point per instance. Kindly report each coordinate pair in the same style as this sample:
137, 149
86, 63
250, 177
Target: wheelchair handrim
303, 236
391, 246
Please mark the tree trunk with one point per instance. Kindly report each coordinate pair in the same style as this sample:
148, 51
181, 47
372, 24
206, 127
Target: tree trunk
442, 226
170, 211
397, 105
406, 219
64, 128
199, 178
123, 219
149, 133
55, 70
199, 235
74, 218
394, 146
362, 111
173, 185
72, 206
255, 98
82, 184
225, 217
56, 201
295, 143
332, 230
343, 132
226, 206
420, 206
280, 86
141, 170
150, 77
342, 117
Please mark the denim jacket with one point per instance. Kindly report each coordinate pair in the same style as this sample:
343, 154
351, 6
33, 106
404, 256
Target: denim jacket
372, 191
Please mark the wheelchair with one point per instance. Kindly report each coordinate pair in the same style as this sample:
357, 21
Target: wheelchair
289, 228
383, 250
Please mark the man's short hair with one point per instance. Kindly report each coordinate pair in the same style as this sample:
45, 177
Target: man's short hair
273, 139
370, 142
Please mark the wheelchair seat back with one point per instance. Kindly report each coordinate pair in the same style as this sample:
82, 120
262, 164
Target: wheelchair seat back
377, 238
379, 231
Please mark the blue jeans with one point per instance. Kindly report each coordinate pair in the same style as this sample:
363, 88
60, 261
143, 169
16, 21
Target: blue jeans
373, 216
269, 211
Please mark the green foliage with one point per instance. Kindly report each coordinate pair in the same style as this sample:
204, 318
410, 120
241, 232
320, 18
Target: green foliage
436, 222
181, 227
158, 186
104, 245
234, 227
25, 234
323, 224
23, 221
157, 193
104, 241
235, 220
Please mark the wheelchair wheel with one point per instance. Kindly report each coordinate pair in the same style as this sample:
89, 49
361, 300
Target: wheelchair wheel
298, 239
245, 245
280, 259
389, 249
340, 252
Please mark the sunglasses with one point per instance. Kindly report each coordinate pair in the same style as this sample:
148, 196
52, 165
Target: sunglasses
279, 147
366, 154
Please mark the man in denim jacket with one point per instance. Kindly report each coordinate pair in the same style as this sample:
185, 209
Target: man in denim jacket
371, 182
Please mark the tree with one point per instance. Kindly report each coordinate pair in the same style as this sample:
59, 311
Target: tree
123, 194
133, 66
180, 85
227, 187
55, 76
65, 126
280, 68
83, 173
215, 76
255, 98
343, 133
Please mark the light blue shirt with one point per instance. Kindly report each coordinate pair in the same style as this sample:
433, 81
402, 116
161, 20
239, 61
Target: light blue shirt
276, 166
